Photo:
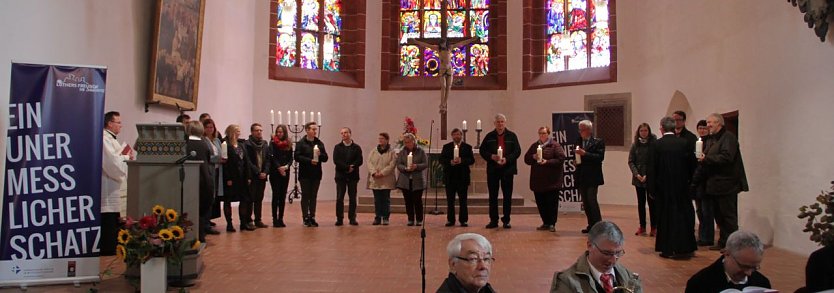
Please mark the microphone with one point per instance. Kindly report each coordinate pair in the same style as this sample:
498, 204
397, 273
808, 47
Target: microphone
190, 155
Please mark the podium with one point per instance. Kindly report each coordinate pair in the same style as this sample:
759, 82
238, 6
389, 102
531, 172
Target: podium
154, 179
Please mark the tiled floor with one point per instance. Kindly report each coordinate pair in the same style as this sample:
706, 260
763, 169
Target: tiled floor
386, 258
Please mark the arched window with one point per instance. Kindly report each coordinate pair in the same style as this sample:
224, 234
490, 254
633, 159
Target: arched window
306, 41
480, 64
576, 44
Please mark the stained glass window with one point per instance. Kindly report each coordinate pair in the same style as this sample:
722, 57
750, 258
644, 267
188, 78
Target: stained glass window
464, 21
577, 35
309, 34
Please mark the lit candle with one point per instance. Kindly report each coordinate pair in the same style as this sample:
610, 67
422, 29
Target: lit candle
224, 150
319, 117
578, 158
464, 124
288, 117
280, 118
312, 118
303, 117
410, 160
699, 148
316, 153
457, 151
478, 125
296, 118
539, 153
272, 115
500, 153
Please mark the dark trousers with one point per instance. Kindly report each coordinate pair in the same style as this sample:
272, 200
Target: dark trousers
548, 204
109, 233
589, 201
726, 215
256, 194
309, 193
279, 186
348, 186
706, 219
413, 204
242, 214
642, 198
382, 203
505, 181
462, 191
206, 201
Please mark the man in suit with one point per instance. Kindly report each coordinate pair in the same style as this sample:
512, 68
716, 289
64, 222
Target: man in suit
501, 168
598, 270
347, 156
737, 268
257, 151
589, 172
456, 176
723, 176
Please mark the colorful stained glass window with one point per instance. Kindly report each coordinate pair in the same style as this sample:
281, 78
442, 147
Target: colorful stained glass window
320, 37
578, 35
421, 33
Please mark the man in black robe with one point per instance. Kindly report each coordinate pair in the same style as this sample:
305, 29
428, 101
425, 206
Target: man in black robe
672, 165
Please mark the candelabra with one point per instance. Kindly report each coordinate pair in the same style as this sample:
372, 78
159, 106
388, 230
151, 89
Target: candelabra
478, 143
295, 129
464, 133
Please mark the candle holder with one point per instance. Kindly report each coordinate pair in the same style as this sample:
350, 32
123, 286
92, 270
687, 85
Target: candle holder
478, 143
464, 133
271, 129
295, 129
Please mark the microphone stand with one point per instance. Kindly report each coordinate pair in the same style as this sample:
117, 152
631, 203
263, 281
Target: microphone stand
423, 227
180, 282
436, 211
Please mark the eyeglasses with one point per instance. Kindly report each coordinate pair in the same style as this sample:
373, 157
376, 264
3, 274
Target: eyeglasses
474, 260
615, 254
744, 266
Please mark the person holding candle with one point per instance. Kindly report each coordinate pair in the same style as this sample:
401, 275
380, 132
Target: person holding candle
704, 205
456, 158
236, 174
215, 145
638, 162
588, 175
280, 161
347, 156
500, 149
546, 157
411, 163
381, 178
310, 154
257, 150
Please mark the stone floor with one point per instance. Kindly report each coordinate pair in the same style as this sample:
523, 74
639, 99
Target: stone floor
370, 258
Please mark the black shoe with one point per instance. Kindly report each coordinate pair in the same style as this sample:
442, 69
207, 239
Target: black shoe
354, 223
250, 226
246, 228
230, 228
543, 228
385, 222
278, 224
585, 231
507, 226
339, 223
464, 224
491, 225
450, 224
212, 224
552, 228
664, 255
410, 223
260, 224
705, 243
376, 222
212, 232
419, 223
716, 247
313, 223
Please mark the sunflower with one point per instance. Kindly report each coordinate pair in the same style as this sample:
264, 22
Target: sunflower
177, 232
158, 210
121, 251
165, 234
196, 244
171, 215
124, 236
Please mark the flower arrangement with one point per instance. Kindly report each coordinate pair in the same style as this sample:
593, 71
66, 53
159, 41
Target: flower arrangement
408, 127
822, 228
160, 234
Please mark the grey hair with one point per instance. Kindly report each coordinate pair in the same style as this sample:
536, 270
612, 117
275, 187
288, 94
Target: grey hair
195, 128
409, 136
667, 123
606, 230
586, 123
454, 247
744, 239
499, 116
717, 117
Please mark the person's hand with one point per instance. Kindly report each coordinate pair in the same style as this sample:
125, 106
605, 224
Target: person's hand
456, 161
223, 160
314, 163
350, 169
411, 167
580, 151
228, 182
262, 176
536, 157
495, 158
248, 181
282, 171
642, 179
502, 161
541, 162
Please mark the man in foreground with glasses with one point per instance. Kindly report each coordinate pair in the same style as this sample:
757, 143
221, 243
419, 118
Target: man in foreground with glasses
737, 268
470, 260
597, 269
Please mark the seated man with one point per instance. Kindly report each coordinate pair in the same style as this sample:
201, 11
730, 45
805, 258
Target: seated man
597, 269
470, 259
737, 267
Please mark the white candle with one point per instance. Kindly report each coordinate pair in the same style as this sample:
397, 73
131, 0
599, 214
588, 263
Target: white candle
578, 158
457, 152
312, 118
280, 118
699, 148
304, 117
288, 118
409, 160
539, 153
464, 125
319, 117
272, 115
316, 153
478, 125
500, 153
224, 150
296, 118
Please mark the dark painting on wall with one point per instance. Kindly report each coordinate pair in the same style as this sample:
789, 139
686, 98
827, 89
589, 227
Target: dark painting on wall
175, 55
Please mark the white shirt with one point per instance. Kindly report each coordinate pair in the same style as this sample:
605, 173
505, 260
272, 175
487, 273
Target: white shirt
598, 274
113, 172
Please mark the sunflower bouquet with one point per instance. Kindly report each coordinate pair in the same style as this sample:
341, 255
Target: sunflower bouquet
408, 127
160, 234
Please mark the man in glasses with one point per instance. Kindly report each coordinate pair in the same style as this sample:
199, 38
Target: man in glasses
470, 260
737, 268
597, 269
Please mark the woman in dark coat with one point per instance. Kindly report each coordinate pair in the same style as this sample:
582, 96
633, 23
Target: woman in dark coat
198, 149
236, 173
280, 160
546, 176
638, 162
411, 181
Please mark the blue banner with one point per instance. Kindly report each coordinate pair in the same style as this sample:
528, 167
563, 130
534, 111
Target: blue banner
566, 132
51, 200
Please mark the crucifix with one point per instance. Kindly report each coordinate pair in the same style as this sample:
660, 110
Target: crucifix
443, 46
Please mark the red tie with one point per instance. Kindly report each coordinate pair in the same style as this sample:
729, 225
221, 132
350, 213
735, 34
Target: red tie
606, 282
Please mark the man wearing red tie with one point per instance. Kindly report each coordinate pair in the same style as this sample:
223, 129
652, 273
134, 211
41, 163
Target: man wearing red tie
597, 269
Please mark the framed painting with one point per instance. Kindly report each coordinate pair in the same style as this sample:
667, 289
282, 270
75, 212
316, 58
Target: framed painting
175, 53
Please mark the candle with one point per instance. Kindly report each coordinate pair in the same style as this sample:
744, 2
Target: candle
578, 158
457, 152
224, 150
280, 118
699, 148
312, 119
316, 153
464, 125
319, 117
500, 153
303, 117
539, 153
288, 118
272, 115
478, 125
410, 160
296, 118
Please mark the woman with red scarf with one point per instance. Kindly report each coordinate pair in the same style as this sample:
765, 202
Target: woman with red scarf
279, 175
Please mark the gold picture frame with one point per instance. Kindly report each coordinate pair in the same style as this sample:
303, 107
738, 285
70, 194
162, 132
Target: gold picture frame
174, 71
